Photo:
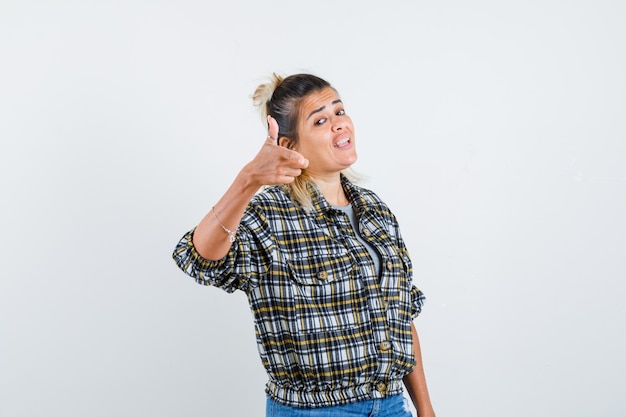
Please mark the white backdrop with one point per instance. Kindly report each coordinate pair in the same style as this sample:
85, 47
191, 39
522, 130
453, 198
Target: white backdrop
495, 130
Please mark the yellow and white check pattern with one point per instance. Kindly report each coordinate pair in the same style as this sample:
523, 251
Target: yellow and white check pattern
330, 329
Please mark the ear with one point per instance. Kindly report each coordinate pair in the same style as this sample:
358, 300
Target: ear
286, 142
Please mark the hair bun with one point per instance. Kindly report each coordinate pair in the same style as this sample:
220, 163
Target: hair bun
263, 94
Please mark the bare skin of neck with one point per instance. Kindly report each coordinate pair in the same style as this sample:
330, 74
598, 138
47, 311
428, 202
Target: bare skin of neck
332, 190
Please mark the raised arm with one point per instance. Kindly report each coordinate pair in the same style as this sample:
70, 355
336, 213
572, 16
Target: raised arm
272, 165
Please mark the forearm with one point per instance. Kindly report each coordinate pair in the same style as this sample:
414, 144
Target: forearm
210, 239
272, 165
415, 382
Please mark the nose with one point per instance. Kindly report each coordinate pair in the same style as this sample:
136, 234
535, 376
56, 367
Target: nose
338, 123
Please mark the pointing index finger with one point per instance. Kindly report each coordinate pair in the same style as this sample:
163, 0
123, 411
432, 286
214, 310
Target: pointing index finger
299, 158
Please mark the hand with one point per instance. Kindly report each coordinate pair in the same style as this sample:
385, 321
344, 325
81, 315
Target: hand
274, 164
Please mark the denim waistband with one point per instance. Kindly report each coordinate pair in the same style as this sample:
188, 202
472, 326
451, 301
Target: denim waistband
393, 406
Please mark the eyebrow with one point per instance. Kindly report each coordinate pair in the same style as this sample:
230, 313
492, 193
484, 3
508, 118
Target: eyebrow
322, 108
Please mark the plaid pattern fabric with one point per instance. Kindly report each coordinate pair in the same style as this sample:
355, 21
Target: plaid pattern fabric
330, 329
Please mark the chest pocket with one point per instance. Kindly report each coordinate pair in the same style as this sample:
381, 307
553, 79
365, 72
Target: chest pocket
321, 268
328, 293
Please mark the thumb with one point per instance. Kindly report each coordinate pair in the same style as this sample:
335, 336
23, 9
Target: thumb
272, 129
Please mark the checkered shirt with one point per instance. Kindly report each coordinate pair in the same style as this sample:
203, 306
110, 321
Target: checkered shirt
330, 329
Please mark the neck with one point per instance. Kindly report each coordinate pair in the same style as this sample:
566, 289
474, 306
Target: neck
331, 189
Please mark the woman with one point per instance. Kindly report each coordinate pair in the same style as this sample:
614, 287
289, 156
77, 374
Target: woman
322, 261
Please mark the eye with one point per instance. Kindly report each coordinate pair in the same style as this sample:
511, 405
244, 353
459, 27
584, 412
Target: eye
319, 122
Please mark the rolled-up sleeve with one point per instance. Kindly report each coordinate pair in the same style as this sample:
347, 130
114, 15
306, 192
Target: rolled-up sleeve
219, 273
417, 297
417, 301
247, 261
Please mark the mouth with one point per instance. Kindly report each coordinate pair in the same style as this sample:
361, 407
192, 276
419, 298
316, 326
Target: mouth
342, 142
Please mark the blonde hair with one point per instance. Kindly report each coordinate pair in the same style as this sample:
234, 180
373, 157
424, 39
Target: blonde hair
280, 98
263, 94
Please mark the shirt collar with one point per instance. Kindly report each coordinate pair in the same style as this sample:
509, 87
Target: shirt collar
321, 205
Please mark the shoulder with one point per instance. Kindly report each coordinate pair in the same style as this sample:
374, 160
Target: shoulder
270, 195
368, 197
272, 209
271, 202
368, 194
367, 201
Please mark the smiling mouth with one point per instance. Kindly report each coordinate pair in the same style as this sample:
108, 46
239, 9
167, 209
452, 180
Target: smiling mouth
342, 142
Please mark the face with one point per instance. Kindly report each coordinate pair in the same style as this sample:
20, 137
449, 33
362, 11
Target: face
325, 134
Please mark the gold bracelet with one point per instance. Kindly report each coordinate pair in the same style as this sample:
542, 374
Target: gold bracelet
231, 234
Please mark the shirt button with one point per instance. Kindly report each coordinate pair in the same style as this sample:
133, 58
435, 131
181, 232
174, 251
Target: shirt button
381, 387
322, 275
366, 233
389, 265
385, 345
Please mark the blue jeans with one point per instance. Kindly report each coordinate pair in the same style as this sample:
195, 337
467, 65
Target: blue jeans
396, 406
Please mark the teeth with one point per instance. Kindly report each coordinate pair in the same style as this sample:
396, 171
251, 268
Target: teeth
342, 142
